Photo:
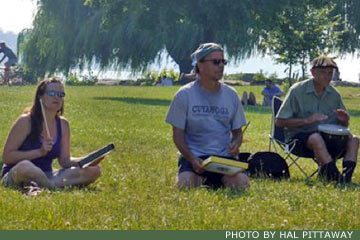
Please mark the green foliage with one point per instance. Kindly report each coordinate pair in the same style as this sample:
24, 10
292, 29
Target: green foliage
287, 83
303, 32
20, 75
259, 76
234, 76
84, 80
168, 73
150, 78
121, 34
49, 47
72, 79
349, 10
27, 75
273, 77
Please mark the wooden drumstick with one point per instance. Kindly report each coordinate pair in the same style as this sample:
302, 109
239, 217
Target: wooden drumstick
44, 117
246, 127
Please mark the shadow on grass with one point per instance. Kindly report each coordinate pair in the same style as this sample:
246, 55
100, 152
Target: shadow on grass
164, 102
348, 186
144, 101
257, 109
87, 189
354, 113
267, 110
315, 182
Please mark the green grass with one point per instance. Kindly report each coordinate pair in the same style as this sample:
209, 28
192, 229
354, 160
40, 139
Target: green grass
136, 189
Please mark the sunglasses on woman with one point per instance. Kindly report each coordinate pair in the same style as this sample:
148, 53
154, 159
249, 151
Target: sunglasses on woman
55, 93
216, 61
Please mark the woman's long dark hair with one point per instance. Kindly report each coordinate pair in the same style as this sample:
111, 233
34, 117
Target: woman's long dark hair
35, 110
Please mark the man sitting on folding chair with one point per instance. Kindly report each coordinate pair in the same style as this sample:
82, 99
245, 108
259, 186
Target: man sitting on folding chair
313, 102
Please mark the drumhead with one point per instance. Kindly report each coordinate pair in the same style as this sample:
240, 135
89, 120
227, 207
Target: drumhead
334, 129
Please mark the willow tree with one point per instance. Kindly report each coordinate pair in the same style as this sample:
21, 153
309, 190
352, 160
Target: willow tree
145, 28
142, 29
124, 33
350, 13
132, 33
49, 46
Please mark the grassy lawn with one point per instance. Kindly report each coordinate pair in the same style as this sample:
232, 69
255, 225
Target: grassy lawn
136, 190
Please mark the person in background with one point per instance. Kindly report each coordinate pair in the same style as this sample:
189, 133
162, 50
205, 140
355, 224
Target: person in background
12, 60
248, 100
269, 92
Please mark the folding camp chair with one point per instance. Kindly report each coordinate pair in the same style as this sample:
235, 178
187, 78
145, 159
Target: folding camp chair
277, 141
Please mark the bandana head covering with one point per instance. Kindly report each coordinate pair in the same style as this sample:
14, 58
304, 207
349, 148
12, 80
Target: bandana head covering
203, 50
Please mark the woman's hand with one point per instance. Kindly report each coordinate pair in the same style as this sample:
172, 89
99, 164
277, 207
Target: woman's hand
46, 146
97, 161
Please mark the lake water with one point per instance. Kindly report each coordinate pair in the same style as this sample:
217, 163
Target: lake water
349, 67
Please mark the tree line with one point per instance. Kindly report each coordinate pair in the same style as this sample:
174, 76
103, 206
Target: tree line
121, 34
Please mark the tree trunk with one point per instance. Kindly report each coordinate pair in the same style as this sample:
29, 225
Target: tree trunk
303, 71
185, 66
290, 72
303, 67
183, 62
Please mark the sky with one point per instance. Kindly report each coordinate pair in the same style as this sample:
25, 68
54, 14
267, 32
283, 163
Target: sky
18, 14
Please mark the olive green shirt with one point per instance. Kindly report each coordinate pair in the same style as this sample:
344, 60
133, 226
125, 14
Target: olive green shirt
302, 101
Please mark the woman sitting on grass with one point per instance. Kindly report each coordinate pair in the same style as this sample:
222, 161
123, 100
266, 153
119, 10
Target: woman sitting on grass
30, 149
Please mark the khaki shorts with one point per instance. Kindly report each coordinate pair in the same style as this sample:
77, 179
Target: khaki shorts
8, 181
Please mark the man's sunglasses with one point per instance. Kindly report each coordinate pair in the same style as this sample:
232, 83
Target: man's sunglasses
55, 93
216, 61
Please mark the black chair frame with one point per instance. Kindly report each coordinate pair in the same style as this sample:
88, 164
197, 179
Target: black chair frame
277, 142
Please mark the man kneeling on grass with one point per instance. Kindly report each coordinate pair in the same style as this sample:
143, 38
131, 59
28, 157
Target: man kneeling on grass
207, 117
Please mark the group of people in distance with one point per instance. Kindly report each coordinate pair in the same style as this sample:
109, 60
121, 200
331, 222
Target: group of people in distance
207, 117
